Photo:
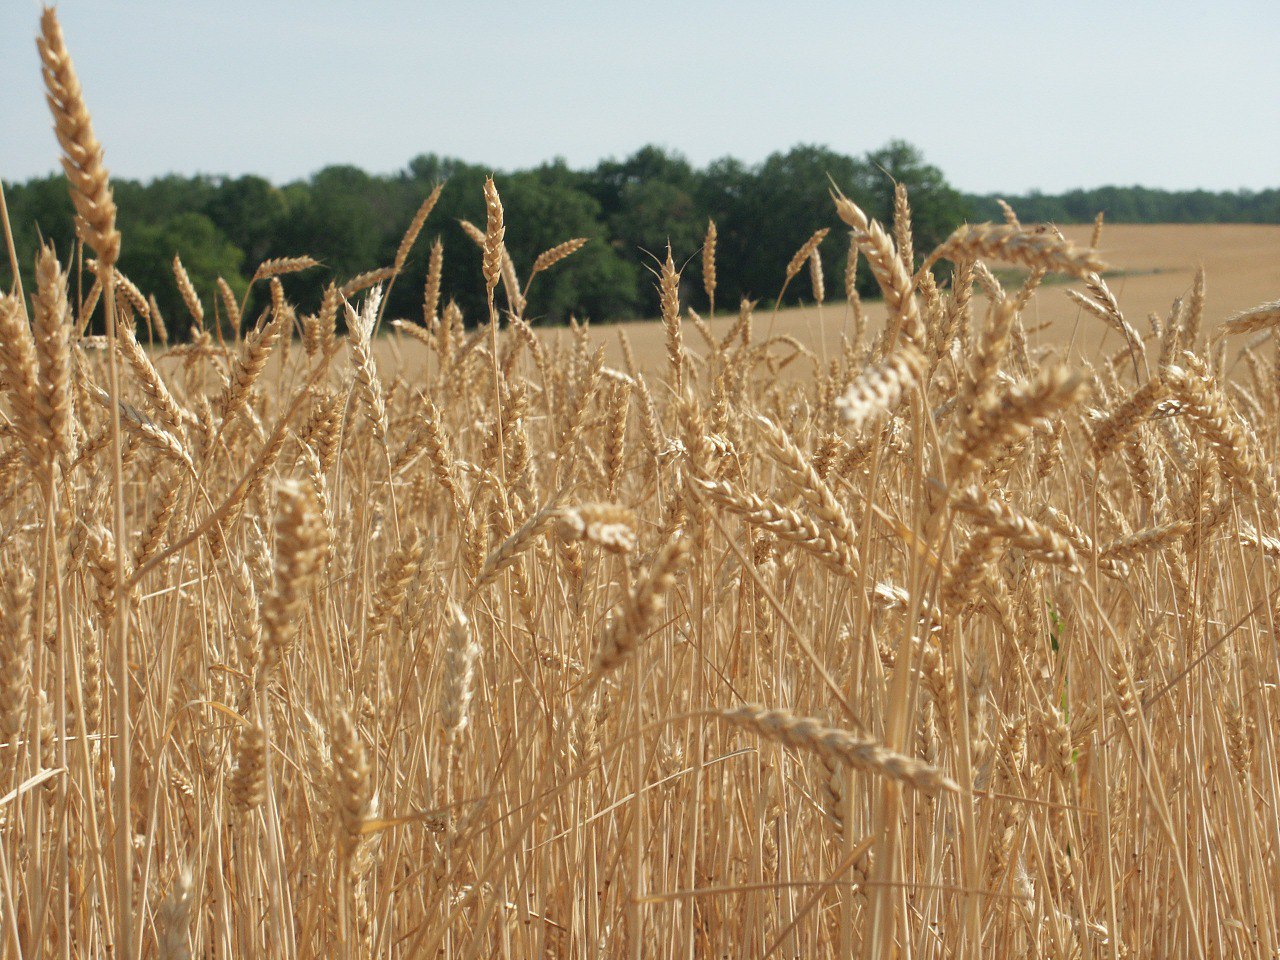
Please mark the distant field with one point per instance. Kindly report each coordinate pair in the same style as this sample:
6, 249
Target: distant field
1151, 264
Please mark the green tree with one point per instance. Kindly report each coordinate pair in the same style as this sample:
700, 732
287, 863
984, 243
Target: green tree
1137, 205
39, 209
936, 206
206, 253
252, 214
545, 208
766, 213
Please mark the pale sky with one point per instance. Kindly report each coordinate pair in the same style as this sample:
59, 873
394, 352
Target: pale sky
1003, 95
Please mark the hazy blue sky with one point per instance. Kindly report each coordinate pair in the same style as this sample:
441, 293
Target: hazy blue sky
1002, 95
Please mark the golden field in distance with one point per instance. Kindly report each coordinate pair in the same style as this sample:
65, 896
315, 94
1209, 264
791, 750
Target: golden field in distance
1153, 263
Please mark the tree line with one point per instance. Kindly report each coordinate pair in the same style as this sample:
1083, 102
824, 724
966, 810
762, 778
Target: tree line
1137, 205
630, 209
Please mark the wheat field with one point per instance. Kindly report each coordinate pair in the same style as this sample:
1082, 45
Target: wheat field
365, 636
1150, 265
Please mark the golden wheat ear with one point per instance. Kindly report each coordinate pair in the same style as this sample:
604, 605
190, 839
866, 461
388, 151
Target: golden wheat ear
81, 151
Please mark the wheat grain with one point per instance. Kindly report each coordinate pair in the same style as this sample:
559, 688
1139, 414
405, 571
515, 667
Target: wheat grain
1012, 244
880, 388
81, 151
807, 249
1262, 317
494, 232
415, 227
646, 600
860, 753
549, 258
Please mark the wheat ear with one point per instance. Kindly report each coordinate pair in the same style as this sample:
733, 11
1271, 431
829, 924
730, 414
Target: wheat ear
860, 753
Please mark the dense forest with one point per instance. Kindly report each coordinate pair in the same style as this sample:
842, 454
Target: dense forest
629, 209
1137, 205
